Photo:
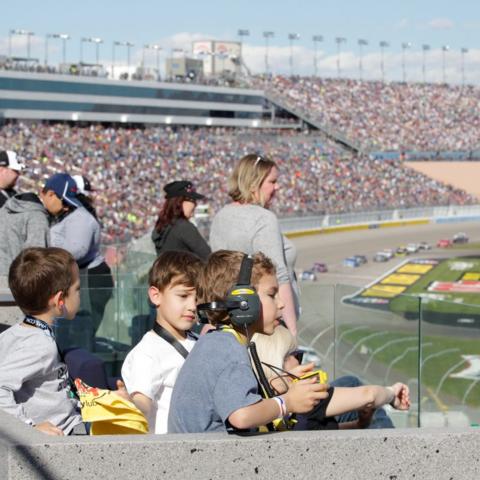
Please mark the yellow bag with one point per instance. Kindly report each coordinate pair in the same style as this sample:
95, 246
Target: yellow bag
109, 413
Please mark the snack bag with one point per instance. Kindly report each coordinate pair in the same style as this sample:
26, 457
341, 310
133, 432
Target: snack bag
109, 413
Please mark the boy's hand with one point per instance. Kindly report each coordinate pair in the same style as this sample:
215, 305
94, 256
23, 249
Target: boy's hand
49, 429
402, 396
304, 395
300, 370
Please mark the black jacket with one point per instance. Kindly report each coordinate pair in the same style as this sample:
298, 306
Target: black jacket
181, 236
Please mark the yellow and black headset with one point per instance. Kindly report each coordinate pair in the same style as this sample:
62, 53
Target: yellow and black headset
241, 303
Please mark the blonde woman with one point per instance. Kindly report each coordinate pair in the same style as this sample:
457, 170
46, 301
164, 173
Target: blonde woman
247, 225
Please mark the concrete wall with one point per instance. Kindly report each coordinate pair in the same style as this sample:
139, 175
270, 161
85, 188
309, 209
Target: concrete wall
375, 454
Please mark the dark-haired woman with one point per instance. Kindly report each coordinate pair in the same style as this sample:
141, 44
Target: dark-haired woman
173, 230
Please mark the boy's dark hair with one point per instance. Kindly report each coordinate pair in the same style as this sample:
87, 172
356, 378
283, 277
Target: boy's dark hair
174, 268
37, 274
220, 274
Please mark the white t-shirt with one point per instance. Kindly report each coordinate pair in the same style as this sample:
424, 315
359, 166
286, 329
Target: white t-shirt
151, 368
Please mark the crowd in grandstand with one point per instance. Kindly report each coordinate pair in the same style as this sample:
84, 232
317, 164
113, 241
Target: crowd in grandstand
128, 167
381, 116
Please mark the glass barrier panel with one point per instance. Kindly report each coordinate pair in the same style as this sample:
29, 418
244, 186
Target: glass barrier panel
377, 341
315, 329
450, 360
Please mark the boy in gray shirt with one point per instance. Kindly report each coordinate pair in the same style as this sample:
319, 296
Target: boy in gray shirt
34, 382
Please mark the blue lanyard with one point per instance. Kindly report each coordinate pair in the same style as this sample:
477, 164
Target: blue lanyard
37, 323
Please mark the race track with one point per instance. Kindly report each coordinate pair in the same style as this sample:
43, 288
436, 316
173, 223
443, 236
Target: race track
325, 318
332, 248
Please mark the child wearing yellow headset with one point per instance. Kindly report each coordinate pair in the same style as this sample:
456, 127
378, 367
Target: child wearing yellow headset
216, 390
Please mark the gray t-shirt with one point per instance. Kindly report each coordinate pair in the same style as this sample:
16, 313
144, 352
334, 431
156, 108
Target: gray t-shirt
215, 381
252, 229
34, 385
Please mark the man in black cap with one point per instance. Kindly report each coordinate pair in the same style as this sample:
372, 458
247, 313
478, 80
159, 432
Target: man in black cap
10, 170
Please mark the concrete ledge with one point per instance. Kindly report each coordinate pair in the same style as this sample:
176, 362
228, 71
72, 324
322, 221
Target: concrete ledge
376, 454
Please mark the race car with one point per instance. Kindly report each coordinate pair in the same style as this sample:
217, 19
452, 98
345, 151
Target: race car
401, 251
460, 237
424, 246
309, 276
412, 248
319, 267
352, 262
361, 258
381, 257
444, 243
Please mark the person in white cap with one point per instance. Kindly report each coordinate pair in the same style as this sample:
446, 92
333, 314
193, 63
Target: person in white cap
10, 169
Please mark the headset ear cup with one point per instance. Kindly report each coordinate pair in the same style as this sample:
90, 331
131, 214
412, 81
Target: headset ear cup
250, 310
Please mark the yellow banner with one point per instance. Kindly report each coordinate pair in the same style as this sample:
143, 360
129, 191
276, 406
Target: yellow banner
400, 279
415, 268
384, 291
471, 276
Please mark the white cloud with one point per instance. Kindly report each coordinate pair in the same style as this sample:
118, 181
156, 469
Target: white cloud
441, 23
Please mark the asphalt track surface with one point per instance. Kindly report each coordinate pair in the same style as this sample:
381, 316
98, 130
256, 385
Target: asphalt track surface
325, 317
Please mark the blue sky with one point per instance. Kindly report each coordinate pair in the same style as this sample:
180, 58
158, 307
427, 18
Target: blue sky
175, 24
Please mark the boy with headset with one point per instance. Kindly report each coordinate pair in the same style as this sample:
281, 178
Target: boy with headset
216, 390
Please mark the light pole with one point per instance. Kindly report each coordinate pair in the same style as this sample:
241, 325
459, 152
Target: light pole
291, 38
361, 43
425, 49
242, 32
157, 49
27, 33
267, 36
97, 41
463, 51
121, 44
405, 45
62, 36
383, 44
316, 40
339, 41
445, 49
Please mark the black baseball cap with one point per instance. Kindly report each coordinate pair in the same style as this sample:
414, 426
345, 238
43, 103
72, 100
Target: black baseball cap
182, 188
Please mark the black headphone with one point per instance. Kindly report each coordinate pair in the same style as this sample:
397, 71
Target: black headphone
242, 302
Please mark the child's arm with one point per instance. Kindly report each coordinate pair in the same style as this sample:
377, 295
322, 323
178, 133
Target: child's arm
49, 429
300, 398
142, 402
368, 396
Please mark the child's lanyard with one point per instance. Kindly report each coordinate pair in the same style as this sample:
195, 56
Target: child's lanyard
37, 323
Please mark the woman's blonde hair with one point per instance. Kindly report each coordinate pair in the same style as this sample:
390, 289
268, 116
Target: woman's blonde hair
247, 178
273, 349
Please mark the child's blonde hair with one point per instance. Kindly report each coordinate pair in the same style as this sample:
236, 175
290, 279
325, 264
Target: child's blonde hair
221, 273
247, 178
274, 349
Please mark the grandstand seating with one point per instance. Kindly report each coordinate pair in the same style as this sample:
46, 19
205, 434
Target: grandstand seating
384, 116
129, 167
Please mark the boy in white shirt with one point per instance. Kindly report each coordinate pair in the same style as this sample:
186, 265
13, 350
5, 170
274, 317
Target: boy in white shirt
151, 368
